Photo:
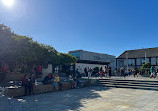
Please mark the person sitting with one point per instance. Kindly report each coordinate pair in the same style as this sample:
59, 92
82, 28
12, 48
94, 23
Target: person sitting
47, 79
26, 83
57, 80
73, 82
54, 83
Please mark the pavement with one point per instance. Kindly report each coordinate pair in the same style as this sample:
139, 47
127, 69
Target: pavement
94, 98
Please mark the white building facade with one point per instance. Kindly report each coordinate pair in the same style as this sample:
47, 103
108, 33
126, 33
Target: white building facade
92, 59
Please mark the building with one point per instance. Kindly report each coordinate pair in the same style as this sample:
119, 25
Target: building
92, 59
136, 58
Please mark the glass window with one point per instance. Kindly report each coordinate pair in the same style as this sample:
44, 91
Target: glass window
131, 62
142, 61
138, 61
157, 60
153, 61
147, 60
120, 63
76, 54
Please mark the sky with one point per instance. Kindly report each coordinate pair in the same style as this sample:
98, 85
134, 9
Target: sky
103, 26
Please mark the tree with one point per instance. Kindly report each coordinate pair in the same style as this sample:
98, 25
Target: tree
19, 49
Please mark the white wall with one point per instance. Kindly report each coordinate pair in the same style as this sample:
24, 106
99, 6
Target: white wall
81, 66
48, 70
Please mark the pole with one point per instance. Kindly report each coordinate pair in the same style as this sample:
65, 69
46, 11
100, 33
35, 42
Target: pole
127, 61
145, 57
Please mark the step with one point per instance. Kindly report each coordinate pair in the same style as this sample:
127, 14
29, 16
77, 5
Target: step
144, 85
123, 80
133, 87
128, 82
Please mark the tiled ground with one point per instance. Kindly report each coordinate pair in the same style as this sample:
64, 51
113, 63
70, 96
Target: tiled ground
88, 99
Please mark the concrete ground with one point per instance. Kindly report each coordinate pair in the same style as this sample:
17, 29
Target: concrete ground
86, 99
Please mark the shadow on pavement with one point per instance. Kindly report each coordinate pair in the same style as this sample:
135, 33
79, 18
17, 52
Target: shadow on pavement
58, 101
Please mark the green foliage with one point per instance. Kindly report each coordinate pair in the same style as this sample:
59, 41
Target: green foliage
147, 65
66, 59
15, 48
145, 69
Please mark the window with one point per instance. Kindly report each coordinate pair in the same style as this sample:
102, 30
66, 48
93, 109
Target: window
138, 62
142, 61
153, 61
120, 63
76, 54
157, 60
147, 60
131, 62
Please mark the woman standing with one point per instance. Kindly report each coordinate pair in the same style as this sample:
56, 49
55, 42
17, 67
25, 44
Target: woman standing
27, 84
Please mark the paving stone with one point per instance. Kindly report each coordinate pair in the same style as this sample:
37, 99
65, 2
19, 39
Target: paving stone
86, 99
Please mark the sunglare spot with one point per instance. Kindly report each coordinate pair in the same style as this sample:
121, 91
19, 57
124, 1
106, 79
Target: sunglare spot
8, 2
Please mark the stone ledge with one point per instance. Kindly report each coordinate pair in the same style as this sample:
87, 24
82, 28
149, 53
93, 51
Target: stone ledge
17, 92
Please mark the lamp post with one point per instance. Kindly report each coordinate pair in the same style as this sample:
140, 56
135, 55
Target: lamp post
127, 61
145, 57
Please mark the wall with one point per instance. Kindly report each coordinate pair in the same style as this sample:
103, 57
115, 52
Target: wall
99, 57
48, 70
81, 66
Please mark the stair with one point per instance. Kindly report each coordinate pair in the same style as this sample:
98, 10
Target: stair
134, 84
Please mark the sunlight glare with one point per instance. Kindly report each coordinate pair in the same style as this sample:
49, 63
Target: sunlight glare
8, 2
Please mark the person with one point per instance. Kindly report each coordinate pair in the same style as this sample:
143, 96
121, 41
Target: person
77, 73
106, 71
57, 80
85, 72
4, 71
135, 72
109, 71
73, 82
122, 72
39, 71
32, 82
26, 83
101, 72
152, 72
89, 71
115, 71
129, 72
47, 79
54, 83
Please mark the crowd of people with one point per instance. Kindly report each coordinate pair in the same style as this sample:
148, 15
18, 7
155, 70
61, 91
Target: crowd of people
29, 80
106, 72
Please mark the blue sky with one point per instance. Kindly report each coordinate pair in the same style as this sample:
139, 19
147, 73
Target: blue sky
103, 26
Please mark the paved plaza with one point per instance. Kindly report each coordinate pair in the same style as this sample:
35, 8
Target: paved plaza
87, 99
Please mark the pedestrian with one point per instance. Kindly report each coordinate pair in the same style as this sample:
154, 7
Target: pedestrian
32, 82
152, 72
27, 84
85, 72
106, 71
89, 72
122, 72
109, 71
